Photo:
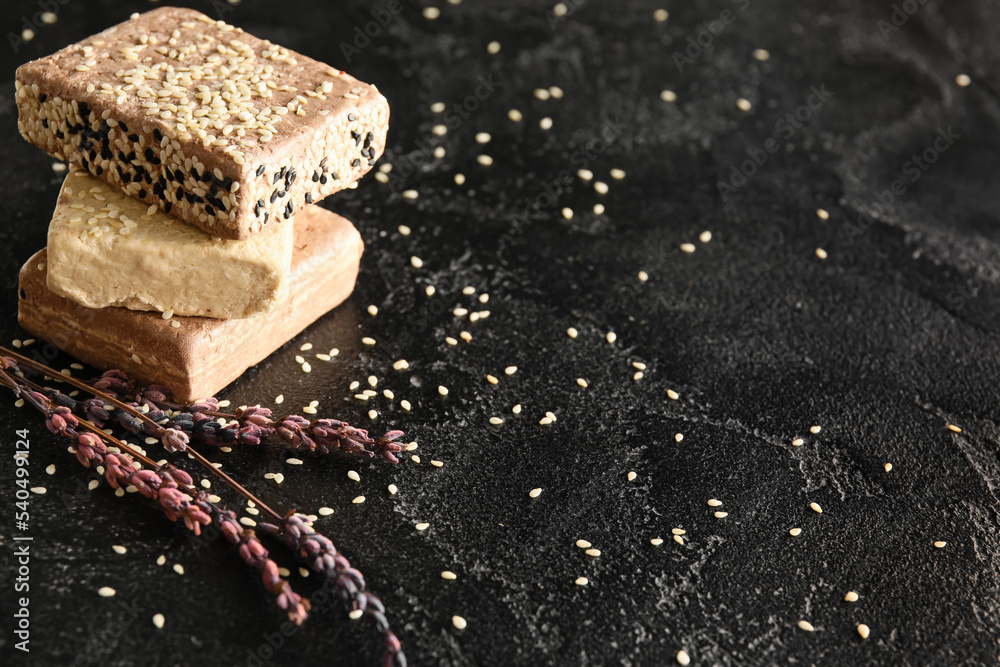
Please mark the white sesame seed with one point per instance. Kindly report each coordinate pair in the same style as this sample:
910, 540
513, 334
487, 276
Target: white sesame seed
572, 332
679, 540
368, 340
516, 409
393, 489
600, 187
712, 502
351, 474
806, 625
956, 429
422, 526
583, 544
611, 336
851, 597
656, 541
484, 160
410, 194
436, 463
325, 511
585, 174
510, 370
582, 581
358, 500
247, 521
496, 421
405, 404
459, 179
940, 544
483, 137
106, 591
668, 96
466, 336
541, 93
678, 437
545, 421
687, 247
798, 442
372, 414
583, 383
816, 508
660, 15
545, 123
415, 459
39, 490
161, 560
493, 48
705, 236
355, 614
721, 515
638, 375
431, 13
888, 467
631, 476
567, 213
449, 575
158, 621
815, 429
416, 262
50, 469
761, 54
443, 390
743, 104
404, 230
821, 253
593, 553
963, 80
459, 622
178, 568
822, 214
643, 276
515, 115
863, 630
400, 365
306, 368
795, 532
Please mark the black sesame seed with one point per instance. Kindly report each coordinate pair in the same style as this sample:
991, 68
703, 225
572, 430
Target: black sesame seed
277, 177
141, 194
322, 163
45, 123
124, 128
289, 209
289, 179
267, 216
309, 198
260, 171
274, 196
352, 117
355, 162
322, 179
315, 176
134, 138
42, 98
334, 176
356, 136
157, 135
98, 170
209, 210
167, 206
60, 135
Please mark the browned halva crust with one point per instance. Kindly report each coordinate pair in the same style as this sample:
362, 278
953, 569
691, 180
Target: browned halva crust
195, 357
221, 129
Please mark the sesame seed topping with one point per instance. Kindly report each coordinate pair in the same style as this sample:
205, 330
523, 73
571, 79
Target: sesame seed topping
761, 54
484, 160
660, 15
496, 421
400, 365
368, 341
795, 532
119, 549
449, 575
544, 421
436, 463
50, 469
459, 622
712, 502
516, 409
459, 179
593, 553
545, 123
534, 493
678, 437
483, 137
656, 541
410, 194
158, 621
668, 96
541, 93
940, 544
679, 540
443, 390
583, 383
393, 489
806, 625
611, 336
798, 442
178, 568
372, 414
643, 276
572, 332
583, 544
567, 213
631, 476
721, 515
816, 508
431, 13
355, 614
863, 630
358, 500
325, 511
705, 236
106, 591
888, 467
683, 658
815, 429
405, 404
422, 526
851, 597
510, 370
351, 474
582, 581
39, 490
600, 187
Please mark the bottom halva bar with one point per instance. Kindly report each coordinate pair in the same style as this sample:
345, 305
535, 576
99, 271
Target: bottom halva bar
195, 357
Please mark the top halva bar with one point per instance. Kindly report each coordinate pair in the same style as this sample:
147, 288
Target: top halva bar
216, 127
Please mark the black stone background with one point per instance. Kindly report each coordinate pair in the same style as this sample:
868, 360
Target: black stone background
882, 344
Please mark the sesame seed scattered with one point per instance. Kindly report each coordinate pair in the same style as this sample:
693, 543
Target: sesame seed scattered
496, 421
815, 429
431, 13
415, 459
306, 368
798, 442
795, 532
712, 502
443, 390
583, 383
158, 621
50, 469
422, 526
178, 568
373, 310
679, 540
541, 93
351, 474
393, 489
410, 194
656, 541
161, 560
761, 54
325, 511
582, 581
567, 213
583, 544
436, 463
483, 137
631, 476
416, 262
459, 180
515, 115
660, 15
247, 521
638, 375
534, 493
544, 421
678, 437
821, 253
598, 208
851, 597
405, 404
449, 575
545, 123
822, 214
460, 312
106, 591
466, 336
806, 625
484, 160
404, 230
683, 658
611, 336
358, 500
368, 341
593, 553
309, 410
372, 414
721, 515
863, 630
687, 247
668, 96
119, 549
585, 174
816, 508
600, 187
888, 467
572, 332
493, 48
437, 107
705, 236
39, 490
510, 370
400, 365
516, 409
459, 622
643, 276
963, 80
743, 104
355, 614
940, 544
956, 429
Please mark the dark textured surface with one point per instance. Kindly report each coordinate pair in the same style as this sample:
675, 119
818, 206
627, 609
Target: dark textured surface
883, 344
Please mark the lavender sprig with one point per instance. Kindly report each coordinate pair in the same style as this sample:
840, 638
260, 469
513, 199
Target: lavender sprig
169, 486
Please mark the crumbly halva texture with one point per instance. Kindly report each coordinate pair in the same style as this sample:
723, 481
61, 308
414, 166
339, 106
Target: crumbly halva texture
215, 126
198, 356
107, 249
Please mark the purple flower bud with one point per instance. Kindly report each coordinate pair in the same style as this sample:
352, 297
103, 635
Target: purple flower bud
203, 405
194, 518
255, 415
147, 482
180, 477
232, 531
156, 393
174, 440
8, 363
